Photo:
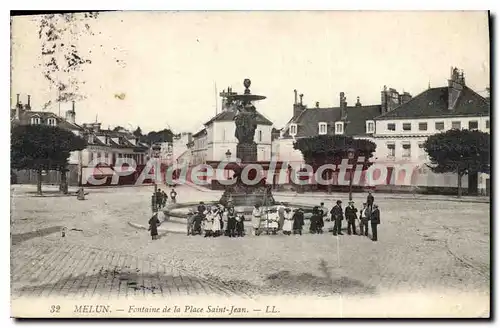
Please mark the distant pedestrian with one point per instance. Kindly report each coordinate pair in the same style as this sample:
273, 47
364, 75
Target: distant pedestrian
375, 221
173, 195
369, 200
351, 217
288, 222
202, 209
154, 222
364, 217
298, 221
337, 217
164, 198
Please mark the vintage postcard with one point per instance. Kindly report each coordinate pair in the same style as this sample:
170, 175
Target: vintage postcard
307, 164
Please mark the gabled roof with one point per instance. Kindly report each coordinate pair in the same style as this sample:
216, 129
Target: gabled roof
200, 133
309, 119
434, 103
228, 115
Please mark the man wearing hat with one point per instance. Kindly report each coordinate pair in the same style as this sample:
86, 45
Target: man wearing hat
375, 221
351, 216
364, 217
337, 217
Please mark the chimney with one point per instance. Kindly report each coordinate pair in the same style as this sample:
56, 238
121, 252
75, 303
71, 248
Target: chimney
298, 107
29, 101
295, 92
343, 106
96, 127
358, 104
455, 87
317, 104
405, 97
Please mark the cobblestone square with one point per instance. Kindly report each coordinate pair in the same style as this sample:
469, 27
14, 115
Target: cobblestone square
424, 246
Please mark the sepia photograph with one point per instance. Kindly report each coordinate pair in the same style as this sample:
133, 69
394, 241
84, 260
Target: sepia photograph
250, 164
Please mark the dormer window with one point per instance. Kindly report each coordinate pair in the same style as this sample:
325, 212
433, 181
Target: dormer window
35, 120
322, 128
52, 121
370, 126
293, 129
339, 127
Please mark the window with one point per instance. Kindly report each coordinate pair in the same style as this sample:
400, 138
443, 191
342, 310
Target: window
456, 125
406, 126
339, 128
370, 127
91, 157
224, 135
52, 121
406, 150
439, 126
322, 127
473, 125
260, 135
391, 150
35, 120
487, 124
422, 126
293, 129
391, 126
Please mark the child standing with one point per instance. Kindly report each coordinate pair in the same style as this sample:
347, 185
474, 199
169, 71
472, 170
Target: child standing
288, 222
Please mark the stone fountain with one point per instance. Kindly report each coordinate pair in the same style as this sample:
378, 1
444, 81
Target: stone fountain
239, 193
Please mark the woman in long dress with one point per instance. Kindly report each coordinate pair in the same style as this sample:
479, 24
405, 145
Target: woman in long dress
207, 222
216, 226
154, 222
288, 222
256, 217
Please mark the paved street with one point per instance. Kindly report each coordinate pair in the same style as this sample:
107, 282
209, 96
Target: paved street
423, 246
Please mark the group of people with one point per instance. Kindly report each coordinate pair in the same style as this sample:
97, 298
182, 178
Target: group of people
160, 197
370, 213
215, 221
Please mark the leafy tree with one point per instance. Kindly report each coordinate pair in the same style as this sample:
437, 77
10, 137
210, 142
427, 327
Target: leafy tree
459, 151
332, 149
165, 135
43, 147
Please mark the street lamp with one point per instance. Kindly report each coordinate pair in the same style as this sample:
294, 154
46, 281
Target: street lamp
228, 157
350, 156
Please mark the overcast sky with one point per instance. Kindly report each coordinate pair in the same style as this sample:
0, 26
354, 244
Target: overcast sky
172, 61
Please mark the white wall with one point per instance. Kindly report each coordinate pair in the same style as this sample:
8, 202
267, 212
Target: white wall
381, 125
283, 150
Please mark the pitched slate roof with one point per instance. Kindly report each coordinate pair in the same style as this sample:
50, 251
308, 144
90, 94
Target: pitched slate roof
434, 103
228, 115
307, 122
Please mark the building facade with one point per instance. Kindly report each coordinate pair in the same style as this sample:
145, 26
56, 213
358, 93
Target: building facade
400, 134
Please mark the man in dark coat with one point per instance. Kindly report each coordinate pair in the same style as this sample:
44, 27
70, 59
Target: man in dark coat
364, 217
369, 200
202, 209
351, 216
154, 222
375, 221
298, 221
337, 217
313, 221
231, 222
